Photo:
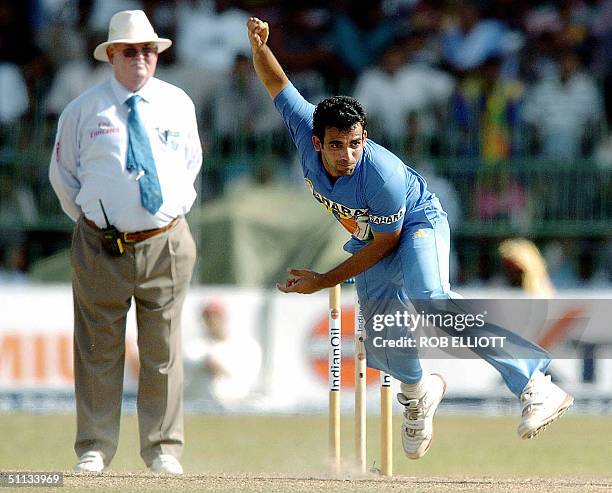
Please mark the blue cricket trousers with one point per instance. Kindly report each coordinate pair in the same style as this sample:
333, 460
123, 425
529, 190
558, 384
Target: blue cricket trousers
418, 270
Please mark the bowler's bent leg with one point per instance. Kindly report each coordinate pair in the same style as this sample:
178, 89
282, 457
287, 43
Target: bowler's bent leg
424, 253
380, 291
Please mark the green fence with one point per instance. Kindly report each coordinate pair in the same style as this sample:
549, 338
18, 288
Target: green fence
531, 197
521, 197
524, 196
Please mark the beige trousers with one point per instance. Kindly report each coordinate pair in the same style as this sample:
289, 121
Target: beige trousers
156, 274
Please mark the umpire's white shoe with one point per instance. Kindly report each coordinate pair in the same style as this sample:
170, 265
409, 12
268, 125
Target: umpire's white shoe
543, 402
166, 464
417, 427
91, 461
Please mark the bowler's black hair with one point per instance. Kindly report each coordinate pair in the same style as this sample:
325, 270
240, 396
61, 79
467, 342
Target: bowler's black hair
341, 112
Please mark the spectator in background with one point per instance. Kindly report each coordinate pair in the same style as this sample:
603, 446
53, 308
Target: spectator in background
239, 137
405, 100
603, 153
99, 12
560, 257
197, 82
63, 34
525, 267
360, 32
17, 200
76, 76
17, 209
303, 46
485, 125
485, 112
552, 27
602, 276
602, 30
14, 265
19, 48
381, 90
14, 100
211, 34
222, 367
540, 60
469, 40
564, 110
233, 105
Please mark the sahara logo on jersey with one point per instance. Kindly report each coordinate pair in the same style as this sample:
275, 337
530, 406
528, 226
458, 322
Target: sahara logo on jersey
343, 211
355, 221
388, 219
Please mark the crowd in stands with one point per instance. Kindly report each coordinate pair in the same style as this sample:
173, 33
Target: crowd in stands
474, 82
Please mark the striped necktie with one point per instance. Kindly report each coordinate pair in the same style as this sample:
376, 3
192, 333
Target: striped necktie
140, 159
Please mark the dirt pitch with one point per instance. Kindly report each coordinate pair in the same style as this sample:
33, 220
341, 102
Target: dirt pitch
145, 482
288, 454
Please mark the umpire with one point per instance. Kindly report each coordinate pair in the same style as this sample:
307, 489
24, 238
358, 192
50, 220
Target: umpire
126, 156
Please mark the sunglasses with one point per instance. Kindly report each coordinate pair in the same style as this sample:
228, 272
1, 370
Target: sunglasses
132, 52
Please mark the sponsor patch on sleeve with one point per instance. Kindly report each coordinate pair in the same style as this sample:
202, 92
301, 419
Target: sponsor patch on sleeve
388, 219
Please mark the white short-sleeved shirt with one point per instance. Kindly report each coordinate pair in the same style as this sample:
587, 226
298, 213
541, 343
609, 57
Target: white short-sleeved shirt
89, 158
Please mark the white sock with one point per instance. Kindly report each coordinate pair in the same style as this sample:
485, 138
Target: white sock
415, 390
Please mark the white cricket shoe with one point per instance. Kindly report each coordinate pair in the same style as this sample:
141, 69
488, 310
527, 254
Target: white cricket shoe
543, 402
417, 427
166, 464
91, 461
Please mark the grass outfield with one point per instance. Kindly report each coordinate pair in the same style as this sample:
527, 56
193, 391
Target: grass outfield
574, 447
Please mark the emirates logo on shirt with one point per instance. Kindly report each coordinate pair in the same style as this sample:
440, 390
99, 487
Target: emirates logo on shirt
104, 127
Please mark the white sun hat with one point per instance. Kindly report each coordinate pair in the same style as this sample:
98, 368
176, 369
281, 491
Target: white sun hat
130, 26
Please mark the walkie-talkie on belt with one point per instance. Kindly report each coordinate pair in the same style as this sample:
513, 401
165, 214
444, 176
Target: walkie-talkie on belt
111, 238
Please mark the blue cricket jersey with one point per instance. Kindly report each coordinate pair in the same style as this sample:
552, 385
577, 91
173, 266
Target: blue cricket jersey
380, 194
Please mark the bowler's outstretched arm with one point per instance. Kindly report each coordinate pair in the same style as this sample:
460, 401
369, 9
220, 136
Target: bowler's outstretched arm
266, 65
